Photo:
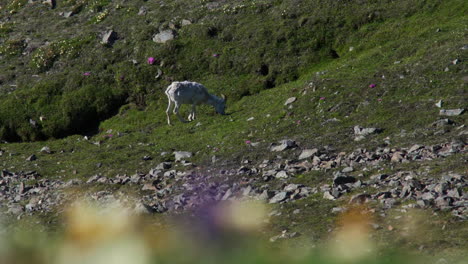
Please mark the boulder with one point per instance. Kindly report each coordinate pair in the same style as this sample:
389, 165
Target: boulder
164, 36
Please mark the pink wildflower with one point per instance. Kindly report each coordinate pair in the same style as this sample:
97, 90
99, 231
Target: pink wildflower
380, 99
87, 74
322, 98
372, 85
151, 60
216, 55
248, 142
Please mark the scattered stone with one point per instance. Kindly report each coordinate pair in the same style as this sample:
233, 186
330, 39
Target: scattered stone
149, 187
164, 36
93, 179
67, 14
283, 145
164, 166
109, 38
347, 169
442, 122
338, 210
281, 175
31, 158
414, 148
327, 195
46, 150
360, 198
451, 112
279, 197
439, 104
291, 187
307, 153
397, 157
227, 195
51, 3
361, 132
180, 155
185, 22
146, 158
290, 100
143, 10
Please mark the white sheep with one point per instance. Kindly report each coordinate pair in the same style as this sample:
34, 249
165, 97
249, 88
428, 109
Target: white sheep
191, 93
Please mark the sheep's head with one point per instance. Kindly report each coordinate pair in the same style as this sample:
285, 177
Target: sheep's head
221, 106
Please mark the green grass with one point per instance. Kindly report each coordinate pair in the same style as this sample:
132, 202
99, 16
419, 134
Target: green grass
121, 105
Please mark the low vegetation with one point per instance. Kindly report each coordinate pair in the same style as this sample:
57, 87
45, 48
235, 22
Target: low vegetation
99, 105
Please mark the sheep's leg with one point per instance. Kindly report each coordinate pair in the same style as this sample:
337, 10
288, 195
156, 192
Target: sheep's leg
192, 113
176, 111
168, 112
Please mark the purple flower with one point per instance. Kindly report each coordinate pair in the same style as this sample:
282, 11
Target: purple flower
216, 55
298, 122
380, 99
372, 85
151, 60
87, 74
322, 98
248, 142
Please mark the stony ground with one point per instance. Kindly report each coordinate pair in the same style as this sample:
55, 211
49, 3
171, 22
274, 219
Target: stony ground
360, 177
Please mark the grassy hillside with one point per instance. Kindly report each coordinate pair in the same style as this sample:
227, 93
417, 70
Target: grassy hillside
59, 68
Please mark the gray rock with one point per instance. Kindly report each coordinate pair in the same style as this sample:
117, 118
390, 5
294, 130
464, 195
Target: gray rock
378, 177
291, 187
307, 153
428, 196
109, 38
148, 187
164, 166
185, 22
415, 148
93, 179
397, 157
284, 144
227, 195
279, 197
51, 3
290, 100
338, 210
31, 158
361, 132
443, 202
327, 195
281, 175
451, 112
67, 14
179, 155
454, 193
143, 10
164, 36
347, 169
46, 150
442, 122
247, 190
264, 196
